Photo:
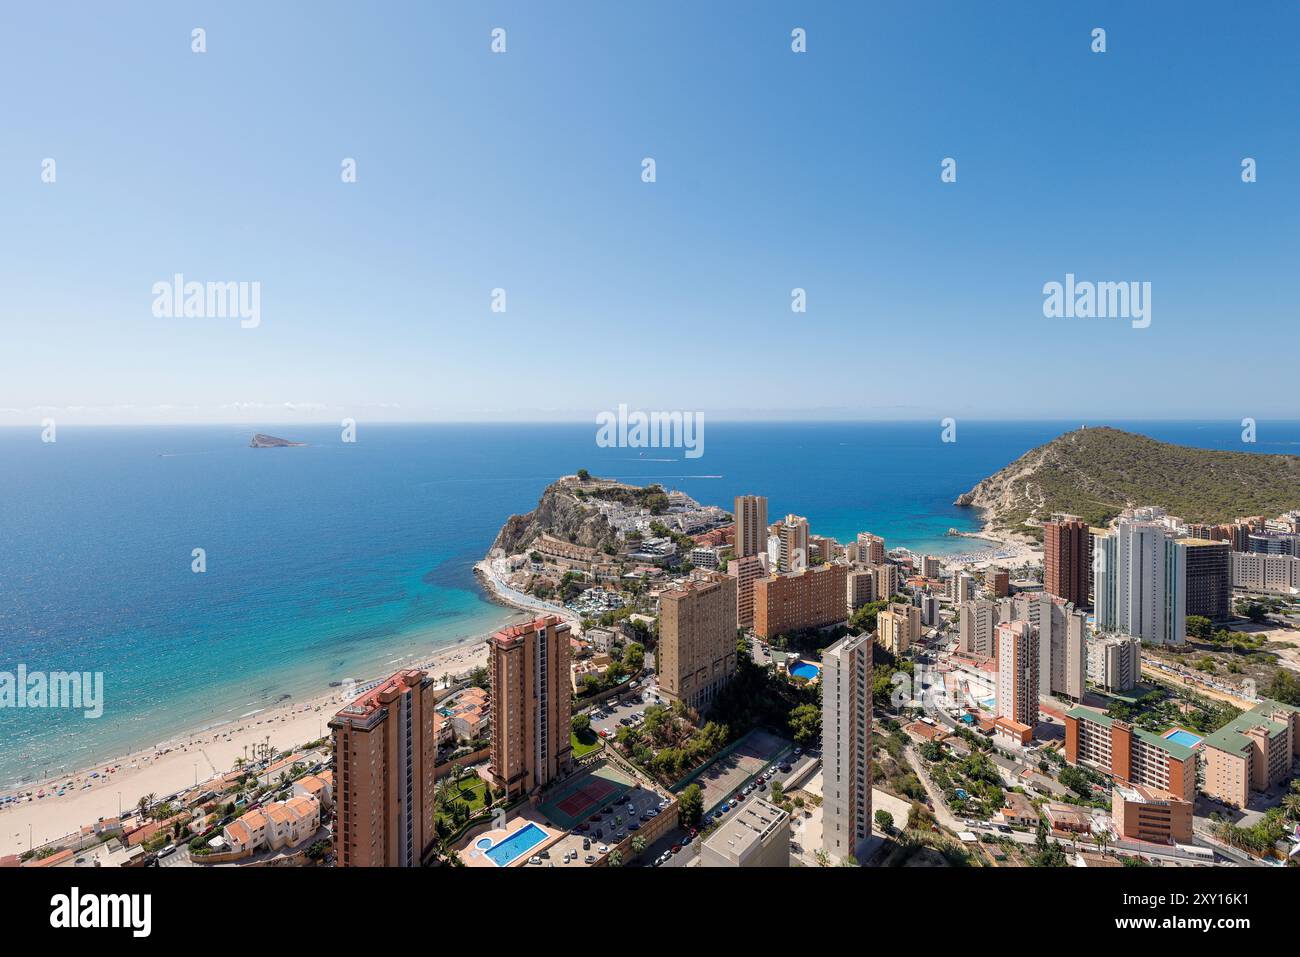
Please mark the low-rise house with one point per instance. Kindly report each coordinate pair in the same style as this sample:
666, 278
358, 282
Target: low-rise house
1019, 810
597, 665
315, 786
920, 732
276, 825
600, 639
1067, 818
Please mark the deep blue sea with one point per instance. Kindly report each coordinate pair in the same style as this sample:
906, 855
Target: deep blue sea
337, 560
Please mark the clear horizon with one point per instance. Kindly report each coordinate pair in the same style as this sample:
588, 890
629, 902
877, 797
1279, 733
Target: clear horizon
1070, 423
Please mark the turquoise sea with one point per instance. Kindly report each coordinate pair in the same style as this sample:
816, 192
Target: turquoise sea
335, 561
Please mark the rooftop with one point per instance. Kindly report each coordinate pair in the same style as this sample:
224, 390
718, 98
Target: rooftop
1172, 748
507, 635
1231, 737
388, 689
749, 826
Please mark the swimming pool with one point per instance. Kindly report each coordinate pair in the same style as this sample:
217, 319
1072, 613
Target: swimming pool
508, 849
805, 669
1185, 738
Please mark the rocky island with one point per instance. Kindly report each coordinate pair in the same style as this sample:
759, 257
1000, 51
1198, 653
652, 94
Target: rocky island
261, 441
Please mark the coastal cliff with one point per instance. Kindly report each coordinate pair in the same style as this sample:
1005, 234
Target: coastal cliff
564, 511
1097, 472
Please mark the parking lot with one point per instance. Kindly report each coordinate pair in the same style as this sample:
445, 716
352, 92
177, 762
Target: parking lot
606, 719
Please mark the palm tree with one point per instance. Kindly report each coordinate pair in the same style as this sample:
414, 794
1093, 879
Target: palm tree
1291, 804
1102, 840
615, 859
638, 844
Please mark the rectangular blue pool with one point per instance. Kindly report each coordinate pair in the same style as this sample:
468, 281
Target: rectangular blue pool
1185, 738
506, 850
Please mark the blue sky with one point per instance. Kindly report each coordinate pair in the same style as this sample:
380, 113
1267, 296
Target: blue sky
523, 171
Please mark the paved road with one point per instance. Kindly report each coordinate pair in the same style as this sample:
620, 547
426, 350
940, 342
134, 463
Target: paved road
496, 572
179, 858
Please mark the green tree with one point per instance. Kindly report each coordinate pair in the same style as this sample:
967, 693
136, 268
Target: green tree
690, 805
806, 724
580, 724
885, 821
1198, 626
1285, 687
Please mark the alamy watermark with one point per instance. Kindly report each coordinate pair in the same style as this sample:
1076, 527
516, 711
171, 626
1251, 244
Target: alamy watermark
69, 690
651, 430
179, 299
1098, 300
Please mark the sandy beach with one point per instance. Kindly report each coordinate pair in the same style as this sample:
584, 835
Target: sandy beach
1009, 551
188, 759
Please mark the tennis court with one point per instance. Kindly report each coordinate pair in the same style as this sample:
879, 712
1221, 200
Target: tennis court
576, 800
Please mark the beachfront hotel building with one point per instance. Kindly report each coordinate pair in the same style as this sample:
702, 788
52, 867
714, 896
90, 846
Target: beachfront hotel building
1253, 752
897, 627
846, 747
812, 598
1067, 556
751, 525
697, 640
531, 705
1128, 754
1017, 686
385, 749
